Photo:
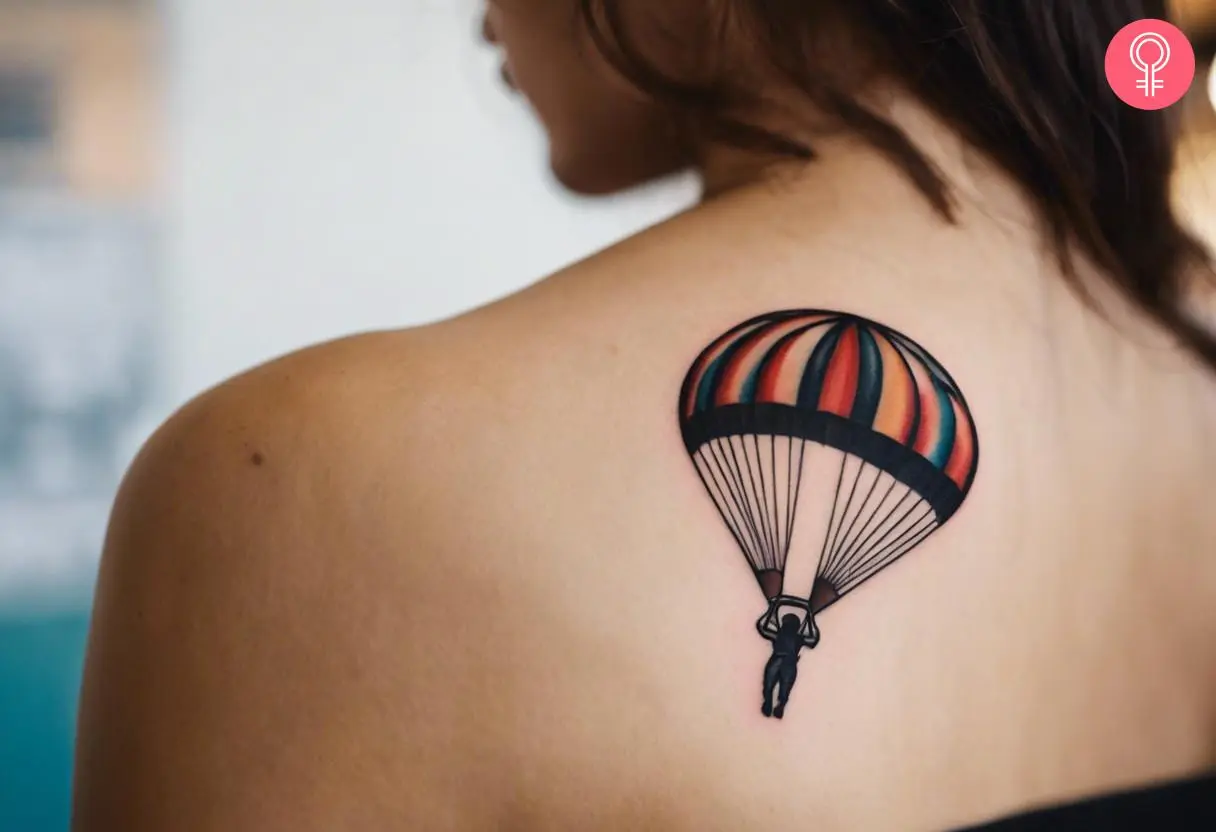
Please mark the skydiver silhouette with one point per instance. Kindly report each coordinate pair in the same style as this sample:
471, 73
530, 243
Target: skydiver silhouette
782, 667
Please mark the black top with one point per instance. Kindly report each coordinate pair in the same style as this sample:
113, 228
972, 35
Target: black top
1184, 805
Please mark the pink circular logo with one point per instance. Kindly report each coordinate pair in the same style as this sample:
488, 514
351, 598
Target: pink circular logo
1150, 64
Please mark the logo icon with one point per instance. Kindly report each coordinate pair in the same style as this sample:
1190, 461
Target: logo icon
1151, 82
1150, 64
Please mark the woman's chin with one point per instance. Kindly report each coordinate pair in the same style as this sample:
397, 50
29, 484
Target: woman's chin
605, 176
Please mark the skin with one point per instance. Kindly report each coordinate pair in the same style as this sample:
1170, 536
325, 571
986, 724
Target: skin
603, 136
464, 577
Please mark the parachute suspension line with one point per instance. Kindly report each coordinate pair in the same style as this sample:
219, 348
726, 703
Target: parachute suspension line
793, 465
868, 529
782, 545
838, 522
747, 477
887, 549
761, 499
722, 502
731, 465
873, 520
838, 546
832, 518
839, 534
789, 491
919, 538
743, 522
731, 472
794, 481
881, 525
902, 530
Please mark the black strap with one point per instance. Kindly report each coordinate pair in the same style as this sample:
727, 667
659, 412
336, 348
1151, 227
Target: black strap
1184, 805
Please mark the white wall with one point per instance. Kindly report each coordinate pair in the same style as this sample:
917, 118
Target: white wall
331, 166
340, 165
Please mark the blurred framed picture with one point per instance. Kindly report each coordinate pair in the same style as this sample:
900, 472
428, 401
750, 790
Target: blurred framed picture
29, 116
79, 278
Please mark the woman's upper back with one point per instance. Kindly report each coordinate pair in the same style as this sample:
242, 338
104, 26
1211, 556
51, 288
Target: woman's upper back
468, 576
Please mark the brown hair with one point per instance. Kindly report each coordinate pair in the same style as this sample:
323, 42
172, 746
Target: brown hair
1023, 80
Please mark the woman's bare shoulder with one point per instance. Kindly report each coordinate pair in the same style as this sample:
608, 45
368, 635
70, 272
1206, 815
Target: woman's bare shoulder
362, 557
254, 657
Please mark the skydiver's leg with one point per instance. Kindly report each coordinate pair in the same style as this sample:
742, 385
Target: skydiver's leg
771, 674
789, 674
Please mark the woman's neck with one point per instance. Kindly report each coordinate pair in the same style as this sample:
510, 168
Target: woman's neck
723, 168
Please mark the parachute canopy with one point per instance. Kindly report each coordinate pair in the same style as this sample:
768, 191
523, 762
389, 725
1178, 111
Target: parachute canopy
898, 427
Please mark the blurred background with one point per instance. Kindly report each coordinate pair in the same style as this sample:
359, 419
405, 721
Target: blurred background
189, 188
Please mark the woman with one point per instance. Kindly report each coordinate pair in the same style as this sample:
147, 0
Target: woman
932, 346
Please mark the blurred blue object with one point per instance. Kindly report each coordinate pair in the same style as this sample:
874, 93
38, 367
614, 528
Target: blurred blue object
80, 349
40, 662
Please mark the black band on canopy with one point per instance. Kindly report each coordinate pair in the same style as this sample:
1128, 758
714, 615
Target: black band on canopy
884, 453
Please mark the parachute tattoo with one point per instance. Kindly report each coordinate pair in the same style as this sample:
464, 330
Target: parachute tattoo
841, 424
